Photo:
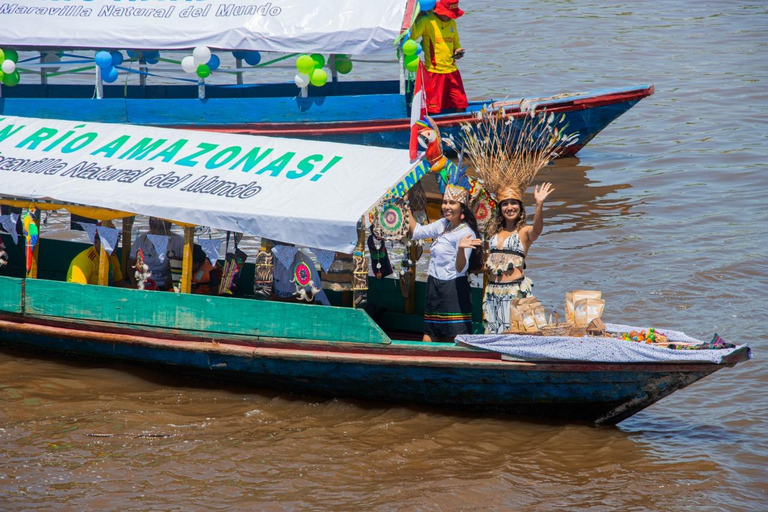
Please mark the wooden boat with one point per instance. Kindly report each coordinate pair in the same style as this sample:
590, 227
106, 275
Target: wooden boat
319, 350
360, 111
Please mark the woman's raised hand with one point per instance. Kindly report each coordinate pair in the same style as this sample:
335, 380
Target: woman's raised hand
541, 192
470, 242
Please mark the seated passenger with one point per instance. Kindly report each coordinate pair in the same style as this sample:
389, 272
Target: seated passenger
84, 268
160, 269
205, 276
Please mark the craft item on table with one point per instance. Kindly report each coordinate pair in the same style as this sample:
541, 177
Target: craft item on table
233, 264
285, 254
9, 225
264, 271
586, 310
211, 248
391, 219
643, 336
31, 235
143, 273
324, 258
430, 140
379, 258
575, 295
108, 237
160, 242
338, 278
301, 282
360, 280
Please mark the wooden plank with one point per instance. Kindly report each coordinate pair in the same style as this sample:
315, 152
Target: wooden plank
10, 295
199, 313
186, 265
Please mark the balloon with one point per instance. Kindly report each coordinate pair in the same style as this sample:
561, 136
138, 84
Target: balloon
301, 80
239, 54
2, 75
319, 60
152, 55
131, 53
117, 58
252, 58
319, 78
410, 47
411, 63
151, 60
109, 75
8, 66
427, 5
214, 63
12, 55
305, 64
103, 60
2, 55
202, 54
12, 79
203, 71
188, 64
344, 65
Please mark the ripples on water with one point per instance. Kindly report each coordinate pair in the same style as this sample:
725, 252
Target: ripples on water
664, 212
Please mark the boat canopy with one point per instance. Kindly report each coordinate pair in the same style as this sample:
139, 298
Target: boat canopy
303, 192
357, 27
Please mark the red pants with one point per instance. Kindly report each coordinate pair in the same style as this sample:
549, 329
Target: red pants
445, 91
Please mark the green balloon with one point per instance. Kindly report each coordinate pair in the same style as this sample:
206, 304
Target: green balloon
2, 75
343, 66
2, 55
12, 55
319, 60
319, 78
410, 47
411, 62
12, 79
305, 64
203, 71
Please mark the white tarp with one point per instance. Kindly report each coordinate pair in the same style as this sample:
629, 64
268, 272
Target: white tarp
338, 26
304, 192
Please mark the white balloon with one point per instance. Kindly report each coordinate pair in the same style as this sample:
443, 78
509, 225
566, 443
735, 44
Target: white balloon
8, 66
202, 55
301, 80
188, 64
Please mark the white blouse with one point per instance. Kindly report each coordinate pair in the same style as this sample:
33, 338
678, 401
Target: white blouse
444, 248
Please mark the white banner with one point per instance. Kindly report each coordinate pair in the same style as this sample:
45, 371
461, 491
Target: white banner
303, 192
336, 26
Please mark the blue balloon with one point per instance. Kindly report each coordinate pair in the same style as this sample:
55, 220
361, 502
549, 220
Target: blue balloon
151, 60
214, 62
418, 50
131, 53
151, 55
109, 75
427, 5
239, 54
103, 60
117, 58
253, 58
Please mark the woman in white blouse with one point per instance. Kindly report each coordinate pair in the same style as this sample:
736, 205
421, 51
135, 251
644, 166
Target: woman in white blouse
448, 309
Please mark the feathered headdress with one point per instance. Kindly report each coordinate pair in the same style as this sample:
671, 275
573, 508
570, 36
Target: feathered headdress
507, 151
455, 184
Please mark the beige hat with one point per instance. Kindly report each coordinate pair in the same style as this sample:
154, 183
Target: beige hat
509, 192
456, 193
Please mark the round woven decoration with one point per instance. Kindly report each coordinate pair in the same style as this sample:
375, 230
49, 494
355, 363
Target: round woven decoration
301, 274
483, 210
391, 220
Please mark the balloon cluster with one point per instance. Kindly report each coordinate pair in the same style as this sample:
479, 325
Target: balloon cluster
310, 68
202, 62
411, 50
252, 58
107, 62
9, 75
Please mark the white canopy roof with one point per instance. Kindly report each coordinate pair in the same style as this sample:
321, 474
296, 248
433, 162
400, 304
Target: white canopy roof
338, 26
303, 192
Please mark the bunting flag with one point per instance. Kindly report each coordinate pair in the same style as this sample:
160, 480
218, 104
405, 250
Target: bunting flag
418, 112
324, 258
161, 245
285, 254
9, 225
108, 237
90, 229
211, 248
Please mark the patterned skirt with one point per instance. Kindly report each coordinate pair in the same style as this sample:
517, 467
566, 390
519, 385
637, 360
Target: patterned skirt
496, 303
448, 311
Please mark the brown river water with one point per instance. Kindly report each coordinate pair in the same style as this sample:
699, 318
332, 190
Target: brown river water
665, 212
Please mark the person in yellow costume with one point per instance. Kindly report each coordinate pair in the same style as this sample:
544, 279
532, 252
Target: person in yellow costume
84, 268
440, 42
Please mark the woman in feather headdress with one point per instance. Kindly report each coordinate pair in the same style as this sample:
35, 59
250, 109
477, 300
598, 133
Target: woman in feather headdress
455, 249
507, 153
